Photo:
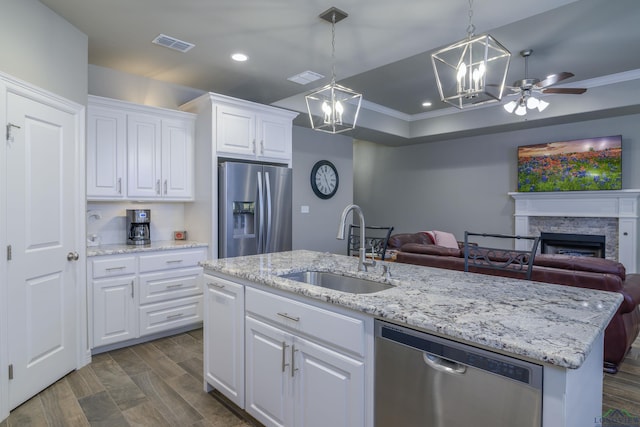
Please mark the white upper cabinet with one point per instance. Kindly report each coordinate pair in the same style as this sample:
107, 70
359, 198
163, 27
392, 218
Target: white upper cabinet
138, 152
245, 130
106, 153
144, 156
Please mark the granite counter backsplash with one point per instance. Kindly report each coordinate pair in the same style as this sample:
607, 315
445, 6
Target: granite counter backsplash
549, 323
164, 245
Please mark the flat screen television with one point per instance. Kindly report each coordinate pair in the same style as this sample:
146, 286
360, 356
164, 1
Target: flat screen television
577, 165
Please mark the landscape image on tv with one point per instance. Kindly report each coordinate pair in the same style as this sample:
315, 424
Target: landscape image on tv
579, 165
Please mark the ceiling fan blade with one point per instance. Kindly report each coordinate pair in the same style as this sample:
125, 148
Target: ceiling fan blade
553, 79
565, 90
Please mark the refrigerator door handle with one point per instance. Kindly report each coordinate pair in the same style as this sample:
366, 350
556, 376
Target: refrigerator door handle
267, 186
260, 214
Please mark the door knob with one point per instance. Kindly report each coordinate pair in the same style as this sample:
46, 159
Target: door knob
72, 256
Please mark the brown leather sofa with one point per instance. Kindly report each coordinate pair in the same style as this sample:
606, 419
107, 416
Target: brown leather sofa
592, 273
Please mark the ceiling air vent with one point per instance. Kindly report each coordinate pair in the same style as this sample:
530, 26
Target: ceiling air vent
305, 77
173, 43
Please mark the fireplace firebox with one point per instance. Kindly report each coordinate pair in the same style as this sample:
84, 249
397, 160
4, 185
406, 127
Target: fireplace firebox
572, 244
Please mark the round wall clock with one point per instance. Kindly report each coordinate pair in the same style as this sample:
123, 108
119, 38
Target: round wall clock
324, 179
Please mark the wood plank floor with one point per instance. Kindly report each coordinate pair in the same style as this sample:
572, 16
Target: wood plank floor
159, 383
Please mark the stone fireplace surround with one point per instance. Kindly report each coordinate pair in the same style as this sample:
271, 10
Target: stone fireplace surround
612, 213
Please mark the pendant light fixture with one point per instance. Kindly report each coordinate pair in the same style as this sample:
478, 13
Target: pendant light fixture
471, 71
333, 108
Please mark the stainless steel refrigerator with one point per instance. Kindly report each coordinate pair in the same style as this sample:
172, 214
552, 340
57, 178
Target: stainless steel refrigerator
254, 209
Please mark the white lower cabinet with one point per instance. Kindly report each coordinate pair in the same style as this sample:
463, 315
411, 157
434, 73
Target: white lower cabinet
292, 381
304, 365
143, 294
224, 338
114, 311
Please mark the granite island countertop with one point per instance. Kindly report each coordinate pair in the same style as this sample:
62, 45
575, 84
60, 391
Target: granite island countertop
123, 248
549, 323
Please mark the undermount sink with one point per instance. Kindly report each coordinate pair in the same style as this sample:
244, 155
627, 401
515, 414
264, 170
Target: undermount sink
325, 279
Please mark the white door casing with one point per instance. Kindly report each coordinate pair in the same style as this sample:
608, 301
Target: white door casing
41, 215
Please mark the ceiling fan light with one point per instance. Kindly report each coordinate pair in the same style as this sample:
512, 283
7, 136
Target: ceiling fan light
521, 110
510, 106
532, 102
542, 105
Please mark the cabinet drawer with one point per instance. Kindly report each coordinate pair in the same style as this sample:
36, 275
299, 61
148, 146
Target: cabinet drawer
113, 266
171, 259
170, 315
162, 286
333, 328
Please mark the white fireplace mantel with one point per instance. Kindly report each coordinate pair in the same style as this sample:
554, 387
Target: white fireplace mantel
621, 204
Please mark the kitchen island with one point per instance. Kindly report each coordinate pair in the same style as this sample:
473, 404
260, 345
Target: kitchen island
558, 327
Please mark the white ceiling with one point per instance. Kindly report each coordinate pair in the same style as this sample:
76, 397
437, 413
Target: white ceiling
382, 48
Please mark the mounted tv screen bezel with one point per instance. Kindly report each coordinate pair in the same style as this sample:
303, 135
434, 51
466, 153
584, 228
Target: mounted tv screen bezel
588, 164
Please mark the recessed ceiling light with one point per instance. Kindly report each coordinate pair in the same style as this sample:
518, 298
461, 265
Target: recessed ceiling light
426, 104
240, 57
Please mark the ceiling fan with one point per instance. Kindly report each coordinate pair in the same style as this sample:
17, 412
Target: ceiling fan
527, 87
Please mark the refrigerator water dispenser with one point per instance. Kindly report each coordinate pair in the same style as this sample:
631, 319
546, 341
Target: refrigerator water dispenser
244, 219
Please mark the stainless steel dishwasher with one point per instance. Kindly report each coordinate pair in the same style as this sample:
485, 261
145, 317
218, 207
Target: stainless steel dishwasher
424, 380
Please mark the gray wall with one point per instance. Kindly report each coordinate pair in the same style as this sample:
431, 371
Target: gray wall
43, 49
140, 90
462, 184
317, 229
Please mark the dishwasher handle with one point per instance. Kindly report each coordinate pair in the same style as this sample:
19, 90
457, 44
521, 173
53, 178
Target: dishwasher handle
444, 365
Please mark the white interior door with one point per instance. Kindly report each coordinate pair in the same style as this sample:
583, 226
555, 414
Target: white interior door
40, 218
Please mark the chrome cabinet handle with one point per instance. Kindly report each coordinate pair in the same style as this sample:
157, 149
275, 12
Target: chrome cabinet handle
122, 267
72, 256
287, 316
132, 289
119, 185
174, 261
284, 357
165, 187
293, 360
217, 285
175, 316
177, 285
158, 187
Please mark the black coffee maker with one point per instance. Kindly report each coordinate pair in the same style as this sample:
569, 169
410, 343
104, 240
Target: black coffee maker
138, 226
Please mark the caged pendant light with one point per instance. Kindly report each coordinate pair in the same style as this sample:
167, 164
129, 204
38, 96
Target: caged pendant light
471, 71
333, 108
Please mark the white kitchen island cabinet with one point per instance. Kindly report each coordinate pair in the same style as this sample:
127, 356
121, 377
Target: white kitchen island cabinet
311, 332
224, 340
314, 357
138, 152
291, 360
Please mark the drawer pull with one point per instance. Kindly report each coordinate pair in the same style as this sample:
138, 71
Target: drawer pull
174, 261
175, 316
122, 267
287, 316
217, 285
178, 285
